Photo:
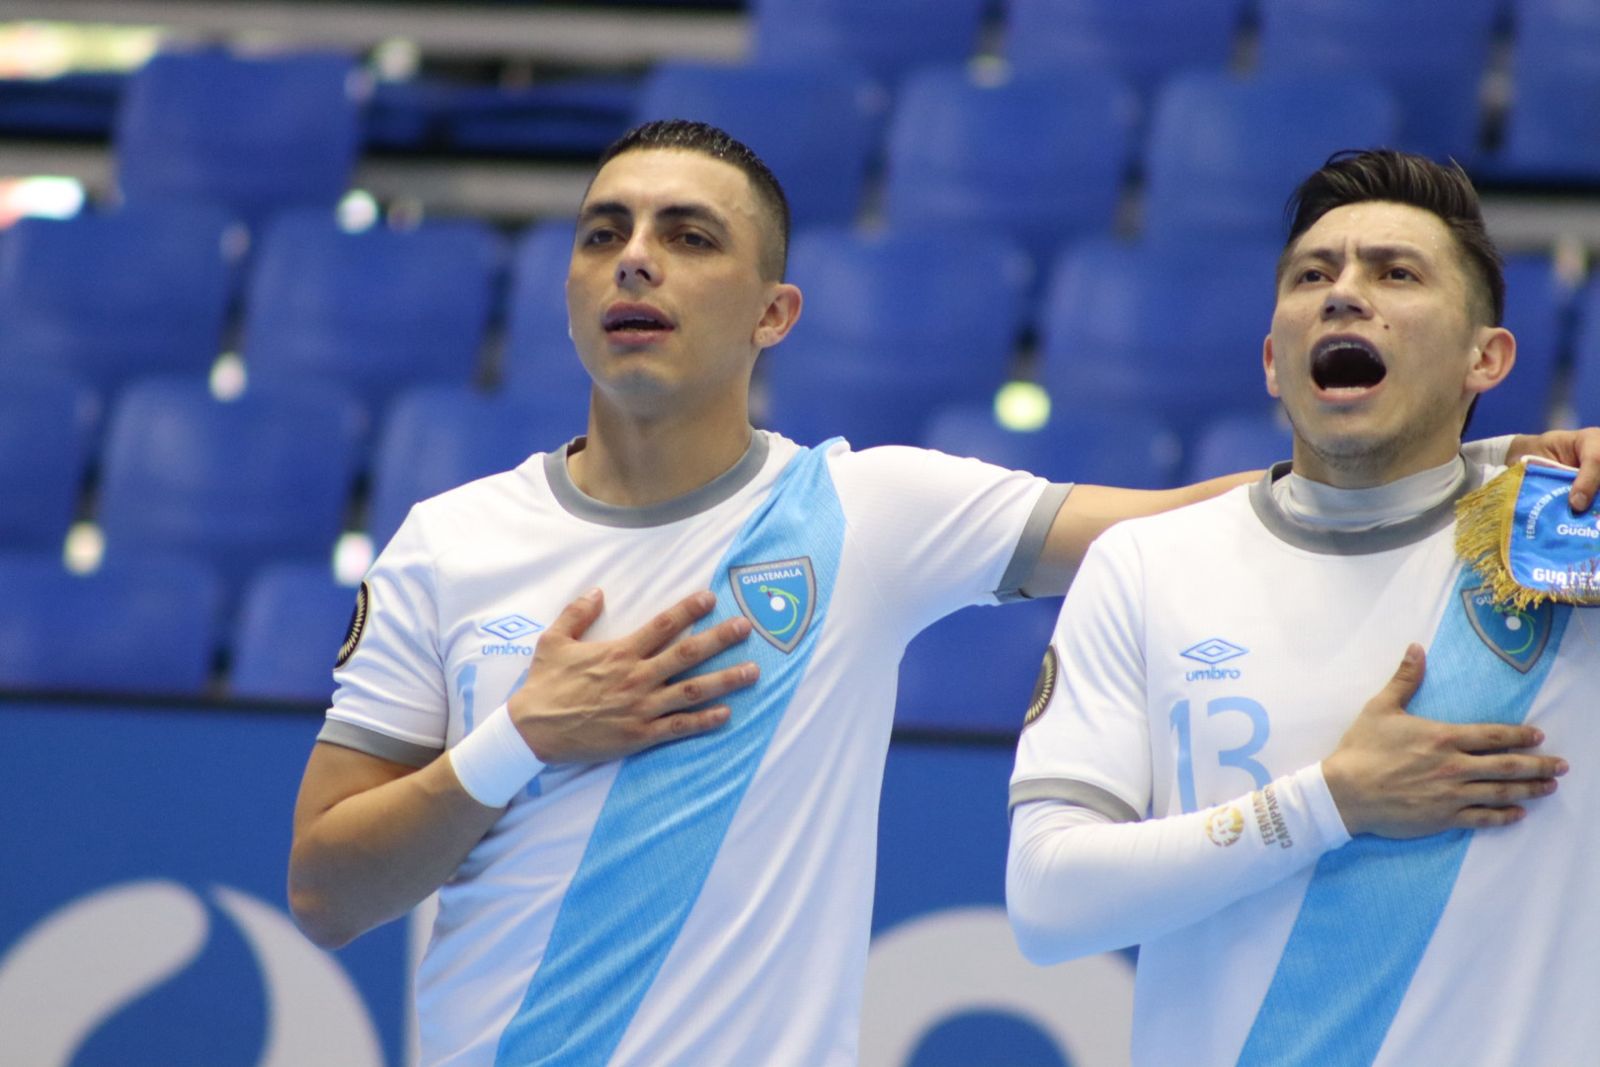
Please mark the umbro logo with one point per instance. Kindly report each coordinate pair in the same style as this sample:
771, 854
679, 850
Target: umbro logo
508, 628
511, 627
1213, 651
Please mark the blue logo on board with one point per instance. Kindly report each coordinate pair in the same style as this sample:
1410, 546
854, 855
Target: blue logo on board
1516, 635
778, 598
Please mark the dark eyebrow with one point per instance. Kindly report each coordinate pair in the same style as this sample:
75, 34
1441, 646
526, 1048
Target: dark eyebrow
672, 212
694, 213
604, 209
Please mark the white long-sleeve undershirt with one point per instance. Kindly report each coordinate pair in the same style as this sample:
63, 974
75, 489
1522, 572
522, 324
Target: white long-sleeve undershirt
1078, 883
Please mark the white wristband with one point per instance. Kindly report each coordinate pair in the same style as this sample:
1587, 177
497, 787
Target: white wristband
493, 761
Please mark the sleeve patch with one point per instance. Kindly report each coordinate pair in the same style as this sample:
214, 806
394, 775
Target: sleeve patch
358, 626
1044, 687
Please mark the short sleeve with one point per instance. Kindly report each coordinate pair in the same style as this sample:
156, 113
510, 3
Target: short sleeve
939, 532
391, 680
1087, 736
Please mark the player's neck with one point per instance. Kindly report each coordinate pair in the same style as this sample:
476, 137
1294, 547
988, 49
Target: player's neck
633, 462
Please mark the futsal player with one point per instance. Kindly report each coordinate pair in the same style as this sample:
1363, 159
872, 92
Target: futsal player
510, 679
1325, 859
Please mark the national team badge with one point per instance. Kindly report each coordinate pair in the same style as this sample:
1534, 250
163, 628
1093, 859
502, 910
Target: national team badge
1516, 635
778, 598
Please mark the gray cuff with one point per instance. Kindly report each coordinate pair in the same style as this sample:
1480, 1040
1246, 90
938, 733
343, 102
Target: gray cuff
373, 743
1071, 791
1030, 546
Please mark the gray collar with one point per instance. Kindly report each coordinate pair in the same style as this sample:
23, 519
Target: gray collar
708, 496
1354, 542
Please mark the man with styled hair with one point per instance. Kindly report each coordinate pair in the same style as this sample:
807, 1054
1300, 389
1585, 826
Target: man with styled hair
653, 833
1324, 859
605, 896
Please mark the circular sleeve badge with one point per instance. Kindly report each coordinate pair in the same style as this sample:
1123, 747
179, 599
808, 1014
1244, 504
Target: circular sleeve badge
358, 626
1043, 688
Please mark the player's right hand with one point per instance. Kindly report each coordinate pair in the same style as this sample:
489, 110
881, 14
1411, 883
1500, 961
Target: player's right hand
590, 701
1400, 775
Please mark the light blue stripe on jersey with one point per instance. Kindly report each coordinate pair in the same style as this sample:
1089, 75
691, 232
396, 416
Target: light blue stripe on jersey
1372, 906
659, 830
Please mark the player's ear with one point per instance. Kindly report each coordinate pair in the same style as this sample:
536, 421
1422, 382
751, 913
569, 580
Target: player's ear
1270, 367
781, 313
1492, 359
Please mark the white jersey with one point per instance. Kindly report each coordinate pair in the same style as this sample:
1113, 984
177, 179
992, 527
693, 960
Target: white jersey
707, 902
1208, 651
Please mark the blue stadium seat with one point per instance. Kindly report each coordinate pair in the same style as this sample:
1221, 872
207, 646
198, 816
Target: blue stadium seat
555, 117
924, 306
884, 37
238, 483
255, 134
1244, 442
373, 311
846, 392
1537, 306
895, 325
143, 290
537, 356
1553, 123
291, 623
1144, 42
964, 152
1433, 57
1175, 329
1097, 445
1223, 154
139, 624
813, 125
46, 430
1585, 398
976, 669
440, 437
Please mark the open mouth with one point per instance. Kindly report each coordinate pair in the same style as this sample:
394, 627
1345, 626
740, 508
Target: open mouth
635, 319
1346, 363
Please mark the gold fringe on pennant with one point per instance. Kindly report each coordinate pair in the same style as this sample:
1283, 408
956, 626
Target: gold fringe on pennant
1483, 537
1484, 518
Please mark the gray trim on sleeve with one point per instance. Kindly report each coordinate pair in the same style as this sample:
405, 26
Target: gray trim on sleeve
1030, 546
1075, 792
692, 503
373, 743
1354, 542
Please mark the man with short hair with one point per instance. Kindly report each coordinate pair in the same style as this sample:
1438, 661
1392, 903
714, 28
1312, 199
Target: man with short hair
606, 897
1323, 863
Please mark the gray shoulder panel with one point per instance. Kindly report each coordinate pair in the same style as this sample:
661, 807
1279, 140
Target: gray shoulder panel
373, 743
1030, 546
1082, 794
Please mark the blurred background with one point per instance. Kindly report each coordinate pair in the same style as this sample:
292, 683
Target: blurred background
270, 272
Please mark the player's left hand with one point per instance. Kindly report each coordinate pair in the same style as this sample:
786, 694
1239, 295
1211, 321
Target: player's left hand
1575, 448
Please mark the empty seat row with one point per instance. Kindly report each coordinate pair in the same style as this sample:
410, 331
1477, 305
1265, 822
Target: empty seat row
933, 315
259, 135
154, 623
151, 625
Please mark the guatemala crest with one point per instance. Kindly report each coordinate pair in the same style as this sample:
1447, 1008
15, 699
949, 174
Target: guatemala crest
1516, 635
778, 598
